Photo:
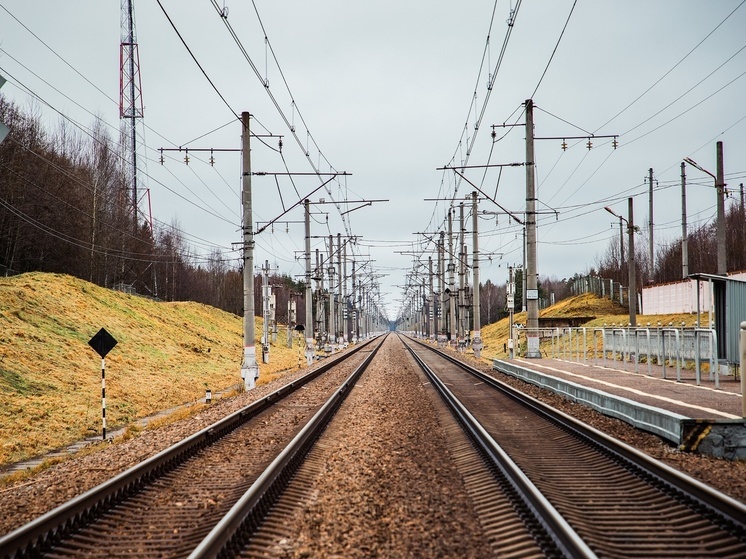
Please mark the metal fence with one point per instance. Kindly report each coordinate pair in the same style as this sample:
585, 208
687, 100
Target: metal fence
602, 287
665, 347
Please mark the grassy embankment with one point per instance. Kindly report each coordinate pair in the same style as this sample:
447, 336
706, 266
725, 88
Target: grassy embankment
50, 379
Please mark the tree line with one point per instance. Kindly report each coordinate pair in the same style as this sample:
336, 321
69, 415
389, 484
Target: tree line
701, 251
65, 207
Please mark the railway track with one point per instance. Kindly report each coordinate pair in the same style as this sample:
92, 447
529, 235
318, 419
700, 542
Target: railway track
541, 484
168, 504
590, 495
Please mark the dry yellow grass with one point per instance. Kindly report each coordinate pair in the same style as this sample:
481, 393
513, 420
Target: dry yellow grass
586, 305
50, 379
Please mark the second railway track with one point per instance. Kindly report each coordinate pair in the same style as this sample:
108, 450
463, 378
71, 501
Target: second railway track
620, 502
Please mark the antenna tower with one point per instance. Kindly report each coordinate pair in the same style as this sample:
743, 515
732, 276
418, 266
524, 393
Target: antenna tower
130, 89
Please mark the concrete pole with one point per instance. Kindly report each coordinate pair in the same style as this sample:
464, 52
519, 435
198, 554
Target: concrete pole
345, 306
621, 244
291, 319
684, 234
340, 281
265, 312
720, 186
461, 280
511, 292
431, 295
440, 327
451, 281
249, 366
651, 249
309, 293
355, 332
632, 272
331, 337
523, 273
531, 272
476, 343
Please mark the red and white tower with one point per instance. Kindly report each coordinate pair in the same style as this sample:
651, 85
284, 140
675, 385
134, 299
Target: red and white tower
130, 91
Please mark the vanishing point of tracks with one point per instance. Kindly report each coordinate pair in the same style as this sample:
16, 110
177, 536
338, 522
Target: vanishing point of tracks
540, 484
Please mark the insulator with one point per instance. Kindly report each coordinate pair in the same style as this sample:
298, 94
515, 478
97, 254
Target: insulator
589, 145
564, 145
280, 144
614, 143
186, 157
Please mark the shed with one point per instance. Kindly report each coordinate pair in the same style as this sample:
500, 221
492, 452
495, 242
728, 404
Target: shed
729, 305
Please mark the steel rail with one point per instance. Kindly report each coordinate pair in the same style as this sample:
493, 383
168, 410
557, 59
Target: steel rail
44, 531
723, 510
560, 539
234, 530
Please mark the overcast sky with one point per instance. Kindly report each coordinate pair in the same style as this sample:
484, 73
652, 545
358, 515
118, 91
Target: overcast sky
389, 91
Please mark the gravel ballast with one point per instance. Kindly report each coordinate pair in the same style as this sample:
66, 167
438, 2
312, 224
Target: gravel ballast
388, 488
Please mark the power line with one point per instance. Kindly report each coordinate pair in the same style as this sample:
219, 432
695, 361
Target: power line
674, 66
554, 51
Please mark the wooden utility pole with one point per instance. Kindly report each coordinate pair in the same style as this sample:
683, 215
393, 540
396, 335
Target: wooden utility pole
249, 367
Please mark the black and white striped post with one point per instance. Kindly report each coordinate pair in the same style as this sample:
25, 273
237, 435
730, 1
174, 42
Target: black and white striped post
103, 343
103, 398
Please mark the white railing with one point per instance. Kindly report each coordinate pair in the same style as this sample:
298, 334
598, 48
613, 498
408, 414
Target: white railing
663, 346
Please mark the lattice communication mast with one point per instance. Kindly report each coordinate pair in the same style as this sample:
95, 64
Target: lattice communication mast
130, 89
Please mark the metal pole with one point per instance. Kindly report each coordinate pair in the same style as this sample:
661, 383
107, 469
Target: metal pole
720, 186
309, 293
249, 367
476, 343
531, 279
632, 273
742, 368
684, 234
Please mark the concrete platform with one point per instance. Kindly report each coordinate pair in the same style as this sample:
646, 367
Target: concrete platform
697, 418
